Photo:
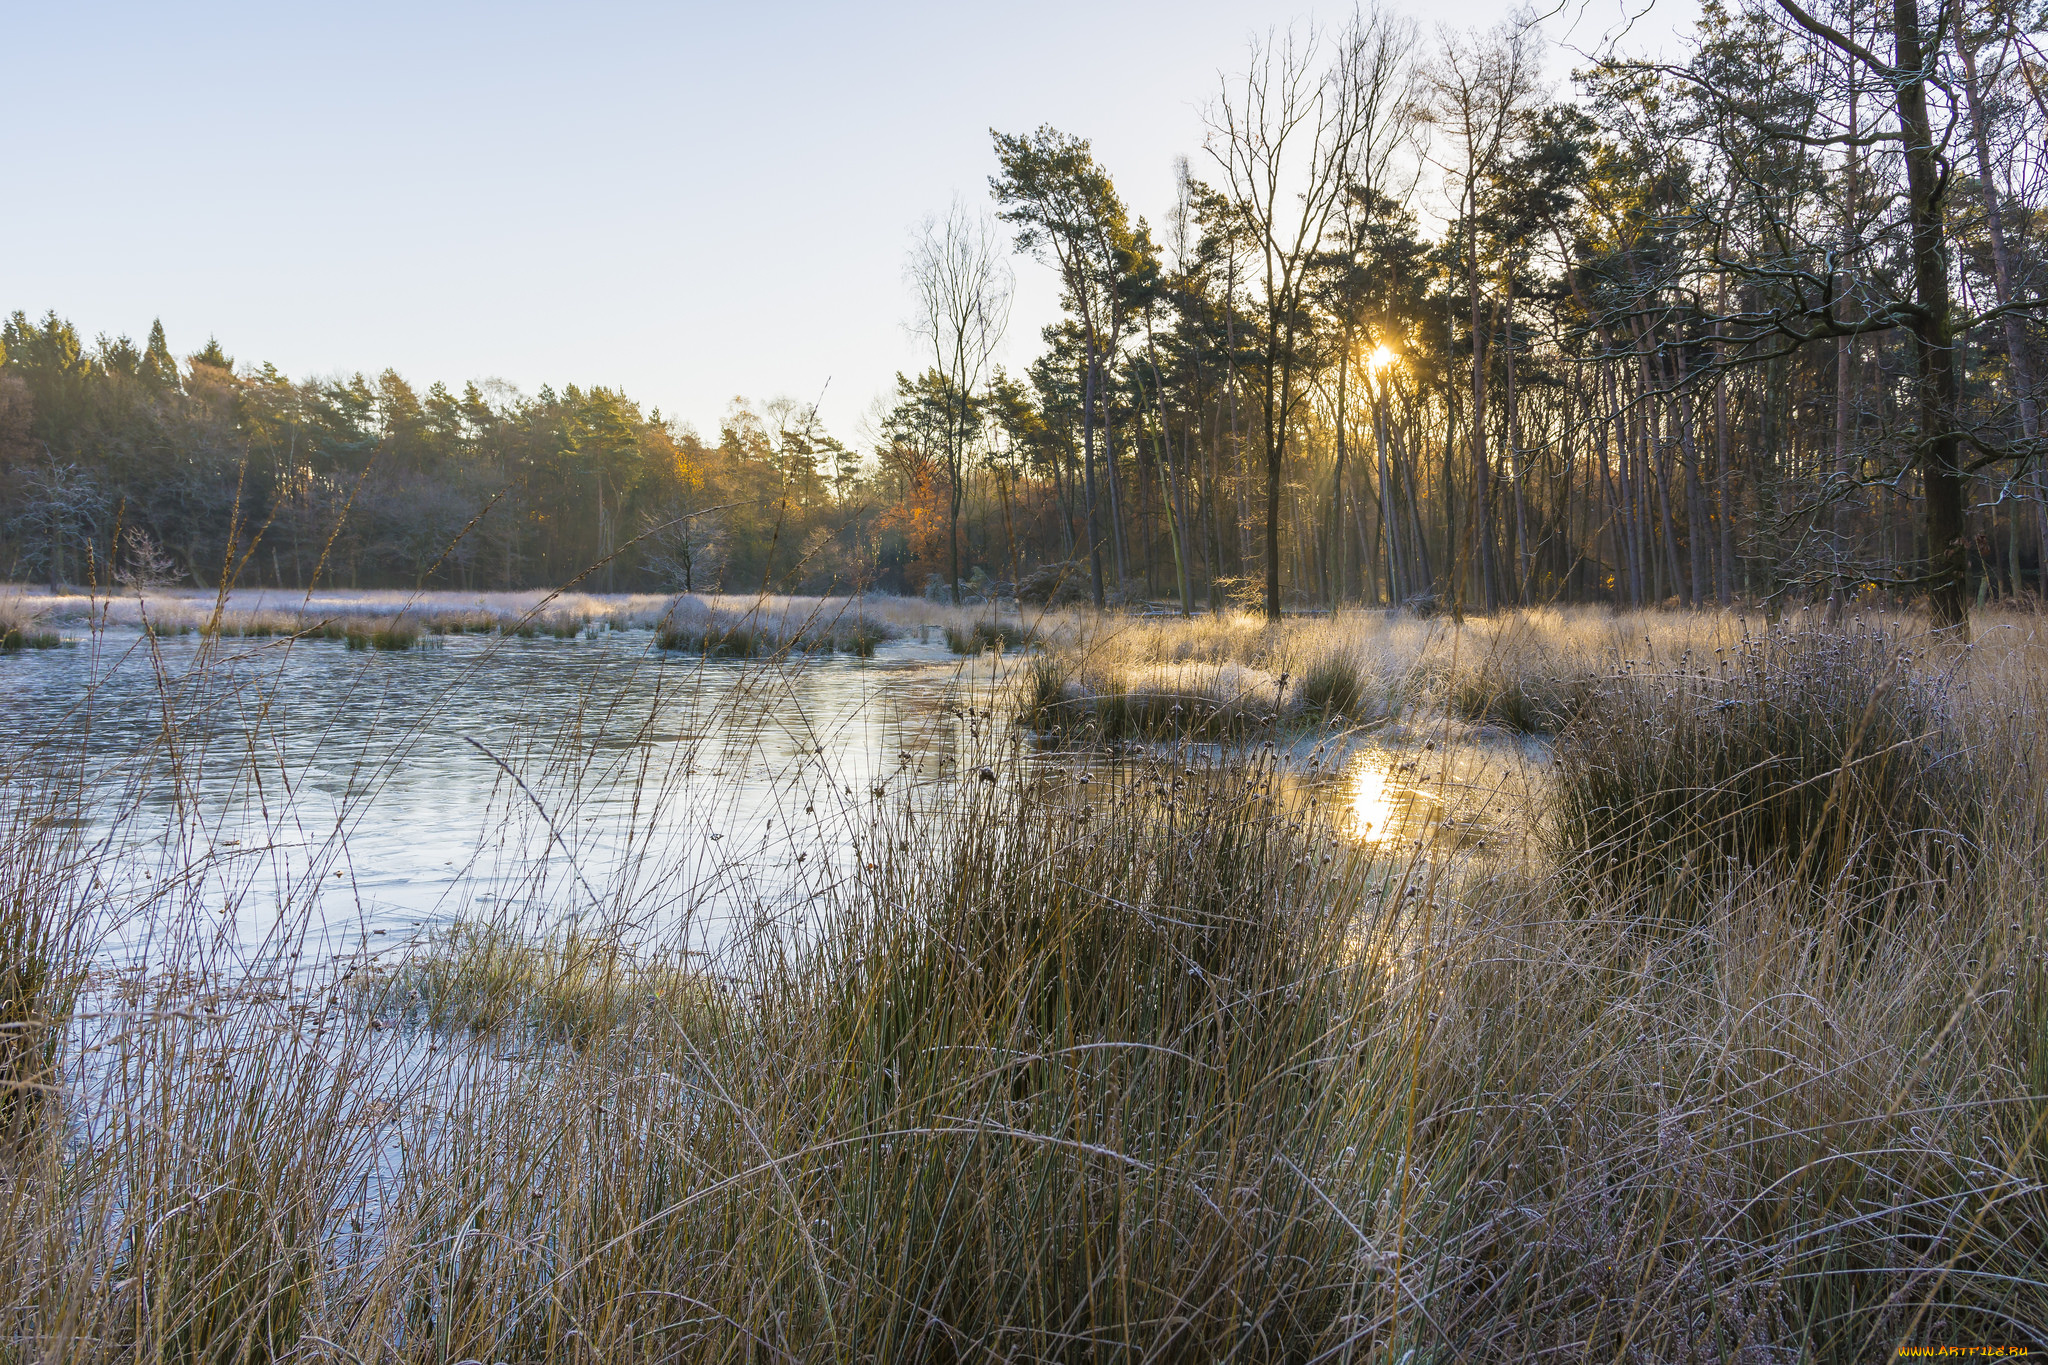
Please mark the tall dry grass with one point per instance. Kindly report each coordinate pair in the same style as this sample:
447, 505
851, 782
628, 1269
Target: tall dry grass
281, 610
22, 628
45, 920
1155, 1068
767, 627
1817, 753
1520, 671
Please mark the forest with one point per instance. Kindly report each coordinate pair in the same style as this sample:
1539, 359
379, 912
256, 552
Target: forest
1764, 321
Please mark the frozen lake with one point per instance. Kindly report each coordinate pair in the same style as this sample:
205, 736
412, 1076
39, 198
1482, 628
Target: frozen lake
297, 795
362, 791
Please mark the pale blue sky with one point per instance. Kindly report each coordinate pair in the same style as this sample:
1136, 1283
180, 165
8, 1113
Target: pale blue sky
687, 201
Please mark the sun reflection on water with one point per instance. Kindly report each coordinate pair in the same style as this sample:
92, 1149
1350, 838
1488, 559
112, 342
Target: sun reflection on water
1370, 809
1377, 808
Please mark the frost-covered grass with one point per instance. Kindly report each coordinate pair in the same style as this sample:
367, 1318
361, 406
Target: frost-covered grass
22, 626
1520, 671
1159, 1068
728, 624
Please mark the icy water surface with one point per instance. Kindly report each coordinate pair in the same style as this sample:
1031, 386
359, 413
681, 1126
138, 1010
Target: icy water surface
357, 796
594, 776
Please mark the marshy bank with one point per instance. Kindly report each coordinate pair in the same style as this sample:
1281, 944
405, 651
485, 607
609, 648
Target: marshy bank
22, 627
737, 625
1235, 674
1166, 1067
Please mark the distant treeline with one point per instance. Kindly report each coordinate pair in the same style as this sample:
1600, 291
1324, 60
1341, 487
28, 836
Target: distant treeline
118, 461
1766, 322
122, 463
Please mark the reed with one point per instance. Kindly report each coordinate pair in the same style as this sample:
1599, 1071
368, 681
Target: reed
19, 629
984, 635
1073, 1052
769, 627
43, 871
556, 625
395, 633
1820, 753
1152, 1068
461, 622
1492, 692
1081, 701
484, 975
860, 637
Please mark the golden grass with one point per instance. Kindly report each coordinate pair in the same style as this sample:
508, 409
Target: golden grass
21, 628
767, 627
1165, 1073
483, 975
1520, 671
1821, 753
43, 917
987, 634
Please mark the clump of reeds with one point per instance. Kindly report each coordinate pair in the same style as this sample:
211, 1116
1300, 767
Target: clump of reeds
1527, 671
461, 622
1042, 700
1333, 686
253, 629
560, 625
860, 635
732, 639
259, 625
483, 975
1089, 1056
1340, 685
19, 629
984, 635
767, 628
1817, 752
1153, 702
393, 633
1494, 691
42, 874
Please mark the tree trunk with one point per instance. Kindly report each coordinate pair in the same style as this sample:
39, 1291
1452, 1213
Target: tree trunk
1697, 532
1841, 525
1524, 564
1725, 583
1239, 474
955, 438
1109, 475
1275, 435
2018, 355
2017, 352
1337, 538
1482, 501
1934, 347
1389, 525
1088, 444
1173, 524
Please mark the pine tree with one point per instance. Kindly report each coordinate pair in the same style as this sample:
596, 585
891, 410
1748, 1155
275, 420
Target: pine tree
158, 369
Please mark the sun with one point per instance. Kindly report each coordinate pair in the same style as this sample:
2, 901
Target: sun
1382, 357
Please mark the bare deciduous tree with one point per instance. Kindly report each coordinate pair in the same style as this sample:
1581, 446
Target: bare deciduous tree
1286, 134
963, 285
143, 564
1477, 90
